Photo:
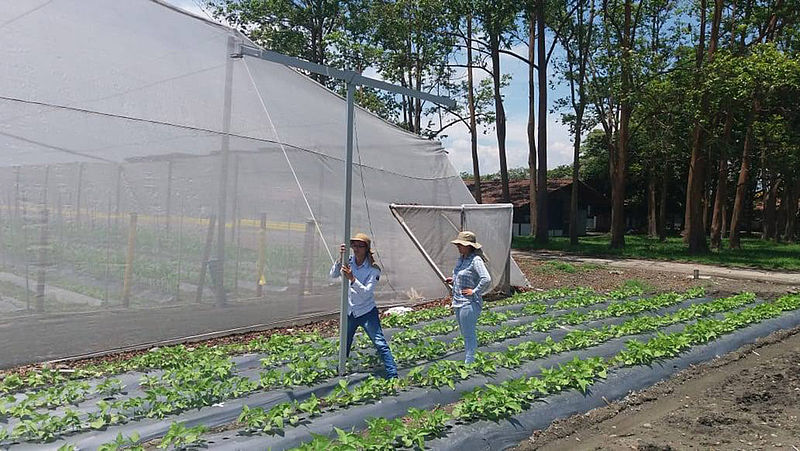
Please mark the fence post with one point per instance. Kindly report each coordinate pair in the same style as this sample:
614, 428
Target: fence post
206, 254
126, 282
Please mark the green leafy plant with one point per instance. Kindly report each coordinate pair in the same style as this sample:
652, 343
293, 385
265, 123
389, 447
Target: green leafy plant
181, 437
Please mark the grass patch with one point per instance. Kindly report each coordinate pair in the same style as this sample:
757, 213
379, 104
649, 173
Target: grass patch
637, 284
754, 253
555, 266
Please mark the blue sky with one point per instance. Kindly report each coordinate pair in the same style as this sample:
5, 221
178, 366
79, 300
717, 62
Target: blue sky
559, 140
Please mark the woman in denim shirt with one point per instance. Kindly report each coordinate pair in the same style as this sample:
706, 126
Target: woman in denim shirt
363, 274
470, 279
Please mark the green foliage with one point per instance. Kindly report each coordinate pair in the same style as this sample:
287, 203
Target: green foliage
121, 442
753, 254
181, 437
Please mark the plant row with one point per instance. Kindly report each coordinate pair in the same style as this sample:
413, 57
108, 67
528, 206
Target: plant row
447, 372
206, 377
493, 402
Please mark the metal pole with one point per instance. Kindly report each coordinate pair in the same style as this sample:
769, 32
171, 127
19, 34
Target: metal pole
223, 173
348, 192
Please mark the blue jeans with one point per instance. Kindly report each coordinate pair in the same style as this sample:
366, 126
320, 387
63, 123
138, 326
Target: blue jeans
372, 326
467, 317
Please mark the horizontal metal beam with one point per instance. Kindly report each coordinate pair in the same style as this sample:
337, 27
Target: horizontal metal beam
346, 75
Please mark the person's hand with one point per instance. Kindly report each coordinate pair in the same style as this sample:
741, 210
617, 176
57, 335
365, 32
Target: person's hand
347, 272
449, 280
467, 291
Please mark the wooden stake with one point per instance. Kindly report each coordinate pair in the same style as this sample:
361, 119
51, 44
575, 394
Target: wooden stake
206, 254
78, 199
40, 279
126, 282
262, 255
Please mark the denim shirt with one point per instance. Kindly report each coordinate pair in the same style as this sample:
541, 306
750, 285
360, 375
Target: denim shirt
470, 272
361, 297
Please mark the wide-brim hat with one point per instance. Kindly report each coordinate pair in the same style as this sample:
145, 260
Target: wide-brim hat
467, 238
363, 237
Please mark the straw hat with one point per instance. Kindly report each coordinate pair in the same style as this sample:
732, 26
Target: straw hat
364, 238
467, 238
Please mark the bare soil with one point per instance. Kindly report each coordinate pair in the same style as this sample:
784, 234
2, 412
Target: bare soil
747, 399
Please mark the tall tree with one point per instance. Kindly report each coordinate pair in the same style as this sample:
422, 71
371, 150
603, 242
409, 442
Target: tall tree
697, 172
577, 42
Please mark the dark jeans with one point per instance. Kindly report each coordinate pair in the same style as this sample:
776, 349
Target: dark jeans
372, 326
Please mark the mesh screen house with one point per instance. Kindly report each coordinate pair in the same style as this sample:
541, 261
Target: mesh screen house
126, 126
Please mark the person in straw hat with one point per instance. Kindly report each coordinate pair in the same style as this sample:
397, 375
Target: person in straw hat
363, 274
470, 279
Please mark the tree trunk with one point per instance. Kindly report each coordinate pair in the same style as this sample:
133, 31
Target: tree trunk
771, 209
542, 221
532, 123
473, 127
652, 208
500, 120
573, 205
741, 183
662, 206
721, 197
620, 162
791, 212
696, 227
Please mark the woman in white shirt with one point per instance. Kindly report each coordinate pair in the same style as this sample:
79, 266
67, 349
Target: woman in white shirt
363, 274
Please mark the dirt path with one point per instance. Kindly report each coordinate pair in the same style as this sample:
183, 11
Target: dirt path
785, 278
748, 399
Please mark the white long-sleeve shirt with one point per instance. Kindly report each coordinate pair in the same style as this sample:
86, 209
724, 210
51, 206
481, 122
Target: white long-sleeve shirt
361, 297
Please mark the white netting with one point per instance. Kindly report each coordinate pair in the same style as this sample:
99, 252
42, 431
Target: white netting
116, 110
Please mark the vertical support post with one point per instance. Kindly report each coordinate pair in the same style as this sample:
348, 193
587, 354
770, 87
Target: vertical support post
223, 172
107, 280
238, 257
78, 196
305, 274
168, 207
16, 193
119, 195
126, 281
262, 255
348, 194
40, 278
235, 209
180, 255
206, 254
60, 212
